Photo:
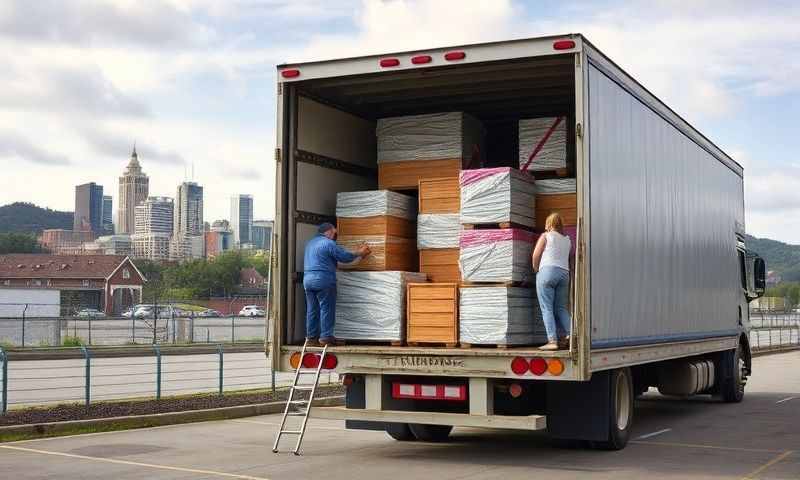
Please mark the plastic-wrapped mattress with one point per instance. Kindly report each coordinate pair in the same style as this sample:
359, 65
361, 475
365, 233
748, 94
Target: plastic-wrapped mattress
542, 144
497, 195
502, 255
372, 305
500, 316
438, 230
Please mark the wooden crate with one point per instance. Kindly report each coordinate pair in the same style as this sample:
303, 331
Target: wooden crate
432, 313
564, 203
378, 225
439, 195
388, 253
406, 175
440, 264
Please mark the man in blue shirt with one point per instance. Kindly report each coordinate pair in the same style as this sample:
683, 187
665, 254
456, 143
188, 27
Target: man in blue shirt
319, 281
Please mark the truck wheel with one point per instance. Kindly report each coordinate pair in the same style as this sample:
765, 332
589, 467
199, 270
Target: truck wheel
732, 378
400, 432
620, 411
430, 433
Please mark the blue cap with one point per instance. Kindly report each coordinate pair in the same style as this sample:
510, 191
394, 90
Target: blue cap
324, 227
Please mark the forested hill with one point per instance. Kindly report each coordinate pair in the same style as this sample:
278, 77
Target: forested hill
28, 218
780, 257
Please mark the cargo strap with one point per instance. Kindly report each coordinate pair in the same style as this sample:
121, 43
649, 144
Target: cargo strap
541, 143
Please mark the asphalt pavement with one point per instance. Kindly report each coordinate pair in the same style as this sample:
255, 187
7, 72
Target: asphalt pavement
673, 438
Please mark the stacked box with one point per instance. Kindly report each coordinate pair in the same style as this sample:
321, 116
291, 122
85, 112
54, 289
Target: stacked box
496, 256
500, 316
438, 225
433, 313
438, 230
372, 305
440, 195
415, 147
440, 264
497, 195
543, 144
556, 195
382, 219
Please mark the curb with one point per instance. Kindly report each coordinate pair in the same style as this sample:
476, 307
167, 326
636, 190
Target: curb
71, 427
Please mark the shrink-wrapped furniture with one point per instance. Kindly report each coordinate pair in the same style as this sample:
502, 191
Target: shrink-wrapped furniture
432, 313
435, 230
496, 256
415, 147
497, 195
371, 306
500, 315
543, 144
556, 195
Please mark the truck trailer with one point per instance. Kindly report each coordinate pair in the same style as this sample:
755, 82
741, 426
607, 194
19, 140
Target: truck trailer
662, 275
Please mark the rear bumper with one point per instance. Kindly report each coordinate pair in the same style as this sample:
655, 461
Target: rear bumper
530, 422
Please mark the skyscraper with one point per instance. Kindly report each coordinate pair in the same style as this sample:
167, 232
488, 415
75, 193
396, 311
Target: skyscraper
108, 215
133, 190
88, 208
189, 210
153, 228
261, 234
241, 218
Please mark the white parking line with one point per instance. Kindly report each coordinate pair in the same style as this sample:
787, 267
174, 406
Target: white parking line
654, 434
785, 399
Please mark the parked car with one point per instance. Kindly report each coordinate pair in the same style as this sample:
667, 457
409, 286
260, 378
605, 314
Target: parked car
209, 312
252, 311
90, 312
143, 311
127, 313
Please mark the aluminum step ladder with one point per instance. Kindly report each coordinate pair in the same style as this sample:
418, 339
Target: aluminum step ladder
300, 409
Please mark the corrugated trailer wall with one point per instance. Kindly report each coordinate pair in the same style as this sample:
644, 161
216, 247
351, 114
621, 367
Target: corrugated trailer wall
663, 221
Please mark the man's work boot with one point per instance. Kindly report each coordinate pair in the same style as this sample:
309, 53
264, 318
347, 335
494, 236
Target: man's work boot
312, 342
330, 342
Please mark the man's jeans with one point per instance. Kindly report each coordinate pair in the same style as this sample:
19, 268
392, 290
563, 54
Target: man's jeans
320, 305
552, 288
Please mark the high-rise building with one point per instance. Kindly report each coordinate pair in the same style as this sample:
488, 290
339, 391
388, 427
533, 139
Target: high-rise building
153, 228
218, 239
189, 210
133, 190
88, 208
108, 215
241, 218
261, 234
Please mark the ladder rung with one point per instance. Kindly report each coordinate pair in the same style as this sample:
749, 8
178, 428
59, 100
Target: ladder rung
303, 387
308, 371
298, 414
299, 401
291, 432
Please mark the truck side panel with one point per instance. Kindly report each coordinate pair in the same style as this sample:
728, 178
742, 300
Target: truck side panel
664, 215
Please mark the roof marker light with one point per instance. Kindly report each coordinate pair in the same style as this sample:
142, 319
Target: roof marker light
563, 44
457, 55
290, 73
421, 59
389, 62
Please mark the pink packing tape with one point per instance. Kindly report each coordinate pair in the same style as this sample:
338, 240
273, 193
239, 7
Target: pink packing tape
471, 176
472, 238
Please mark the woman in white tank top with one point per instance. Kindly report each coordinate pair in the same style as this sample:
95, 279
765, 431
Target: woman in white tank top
551, 262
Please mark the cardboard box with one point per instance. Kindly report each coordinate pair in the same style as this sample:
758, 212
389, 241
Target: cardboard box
565, 204
381, 225
439, 195
432, 313
388, 253
441, 264
406, 175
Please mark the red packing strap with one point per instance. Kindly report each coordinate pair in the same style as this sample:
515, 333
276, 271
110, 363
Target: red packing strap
541, 143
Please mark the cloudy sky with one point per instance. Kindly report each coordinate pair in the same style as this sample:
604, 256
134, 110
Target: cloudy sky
192, 82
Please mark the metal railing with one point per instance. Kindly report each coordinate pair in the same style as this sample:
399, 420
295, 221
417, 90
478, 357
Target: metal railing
774, 330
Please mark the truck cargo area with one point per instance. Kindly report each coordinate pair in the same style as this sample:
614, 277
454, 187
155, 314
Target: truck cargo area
329, 139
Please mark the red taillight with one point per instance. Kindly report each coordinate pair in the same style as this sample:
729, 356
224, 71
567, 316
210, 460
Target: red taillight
563, 44
330, 362
515, 390
519, 366
458, 55
347, 380
389, 62
421, 59
310, 360
291, 73
538, 366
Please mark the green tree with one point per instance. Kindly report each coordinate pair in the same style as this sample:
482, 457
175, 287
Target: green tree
19, 243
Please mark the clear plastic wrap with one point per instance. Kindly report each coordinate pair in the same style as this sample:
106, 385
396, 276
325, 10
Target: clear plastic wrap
497, 195
496, 255
429, 137
372, 305
542, 143
556, 186
372, 203
438, 230
500, 315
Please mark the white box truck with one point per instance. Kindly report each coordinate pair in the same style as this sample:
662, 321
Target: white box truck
662, 275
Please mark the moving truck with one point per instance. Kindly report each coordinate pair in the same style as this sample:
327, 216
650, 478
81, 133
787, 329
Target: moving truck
662, 275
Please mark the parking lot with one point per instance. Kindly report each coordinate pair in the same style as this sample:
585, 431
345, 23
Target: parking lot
673, 438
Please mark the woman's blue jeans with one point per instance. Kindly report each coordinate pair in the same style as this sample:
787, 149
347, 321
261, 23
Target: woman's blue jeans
552, 289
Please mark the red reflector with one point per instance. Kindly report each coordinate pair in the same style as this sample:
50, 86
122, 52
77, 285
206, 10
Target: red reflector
563, 44
390, 62
416, 391
515, 390
538, 366
520, 366
421, 59
292, 73
455, 56
330, 362
310, 360
347, 380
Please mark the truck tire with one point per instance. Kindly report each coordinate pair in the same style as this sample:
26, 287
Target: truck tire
620, 411
430, 433
732, 377
400, 432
